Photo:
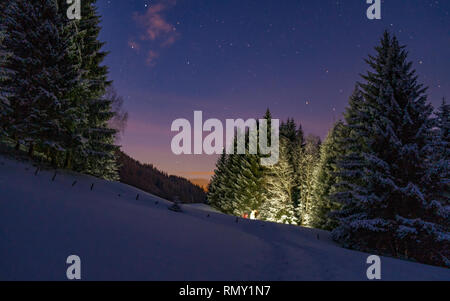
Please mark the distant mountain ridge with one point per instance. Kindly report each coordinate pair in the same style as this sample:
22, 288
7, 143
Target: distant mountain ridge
150, 179
203, 183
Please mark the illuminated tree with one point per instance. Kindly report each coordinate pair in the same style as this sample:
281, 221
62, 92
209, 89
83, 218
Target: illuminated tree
278, 204
307, 166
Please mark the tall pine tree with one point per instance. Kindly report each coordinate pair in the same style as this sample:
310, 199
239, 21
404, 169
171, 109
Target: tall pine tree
325, 179
41, 90
439, 171
5, 108
52, 85
239, 181
215, 190
383, 183
278, 204
308, 165
101, 150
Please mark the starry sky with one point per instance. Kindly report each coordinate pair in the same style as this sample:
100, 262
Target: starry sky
236, 58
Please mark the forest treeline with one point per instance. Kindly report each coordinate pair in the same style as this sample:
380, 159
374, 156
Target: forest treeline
380, 179
150, 179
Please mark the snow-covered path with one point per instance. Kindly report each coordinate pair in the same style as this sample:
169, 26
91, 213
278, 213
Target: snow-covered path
117, 237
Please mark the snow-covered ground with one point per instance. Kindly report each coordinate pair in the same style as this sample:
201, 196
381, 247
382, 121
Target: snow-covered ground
117, 237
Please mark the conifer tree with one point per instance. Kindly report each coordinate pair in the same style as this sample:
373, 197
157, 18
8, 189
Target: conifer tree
383, 184
238, 183
249, 176
41, 91
439, 171
227, 183
325, 177
215, 189
4, 115
289, 130
307, 166
249, 184
101, 150
52, 85
281, 182
5, 108
296, 151
277, 203
231, 185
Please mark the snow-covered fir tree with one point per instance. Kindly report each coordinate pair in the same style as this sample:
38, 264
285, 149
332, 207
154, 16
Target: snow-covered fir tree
295, 151
307, 165
215, 191
439, 171
325, 177
5, 108
52, 85
221, 192
228, 185
277, 203
101, 140
289, 130
42, 90
282, 193
248, 177
383, 183
238, 183
5, 112
249, 184
101, 148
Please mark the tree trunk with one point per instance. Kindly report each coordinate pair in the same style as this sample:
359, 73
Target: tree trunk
53, 161
31, 150
67, 163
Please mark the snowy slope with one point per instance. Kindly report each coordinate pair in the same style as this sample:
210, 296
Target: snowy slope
42, 222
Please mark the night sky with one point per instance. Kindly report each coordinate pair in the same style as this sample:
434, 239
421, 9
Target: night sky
236, 58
